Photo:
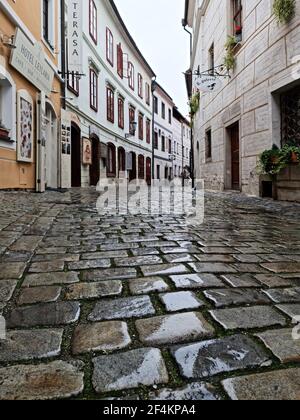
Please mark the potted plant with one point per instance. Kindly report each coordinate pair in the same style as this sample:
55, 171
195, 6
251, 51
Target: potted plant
291, 154
229, 59
238, 33
270, 161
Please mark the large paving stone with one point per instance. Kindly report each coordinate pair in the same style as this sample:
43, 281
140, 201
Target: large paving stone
196, 281
12, 270
209, 358
283, 267
132, 307
40, 382
109, 274
49, 279
241, 281
81, 291
291, 295
271, 280
89, 264
210, 258
229, 297
292, 310
247, 318
136, 261
7, 288
26, 243
173, 329
196, 391
129, 370
164, 269
15, 256
104, 255
27, 345
281, 385
282, 344
41, 294
61, 313
103, 336
212, 268
180, 301
179, 258
146, 285
47, 266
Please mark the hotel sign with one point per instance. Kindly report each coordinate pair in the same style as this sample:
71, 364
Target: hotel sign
75, 36
30, 61
208, 83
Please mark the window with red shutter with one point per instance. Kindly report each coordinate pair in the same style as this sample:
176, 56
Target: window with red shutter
131, 119
73, 83
110, 104
121, 112
141, 164
147, 87
140, 85
131, 75
120, 61
109, 47
93, 90
93, 21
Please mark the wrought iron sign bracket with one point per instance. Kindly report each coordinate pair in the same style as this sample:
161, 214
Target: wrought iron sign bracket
217, 71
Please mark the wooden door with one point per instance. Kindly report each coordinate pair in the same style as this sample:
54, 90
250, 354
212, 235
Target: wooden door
235, 157
75, 157
95, 166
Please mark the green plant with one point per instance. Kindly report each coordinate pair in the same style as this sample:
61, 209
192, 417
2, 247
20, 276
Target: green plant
272, 161
284, 10
229, 59
195, 104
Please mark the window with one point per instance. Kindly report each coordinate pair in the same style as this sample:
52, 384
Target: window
46, 19
183, 151
140, 85
120, 61
141, 165
131, 119
170, 146
208, 145
148, 131
290, 112
109, 47
147, 87
111, 161
131, 75
7, 108
163, 110
156, 140
110, 97
93, 21
48, 23
155, 100
73, 83
141, 126
170, 116
93, 90
237, 10
212, 59
121, 112
163, 143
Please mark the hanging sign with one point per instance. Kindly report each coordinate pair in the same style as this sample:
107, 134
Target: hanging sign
75, 36
208, 83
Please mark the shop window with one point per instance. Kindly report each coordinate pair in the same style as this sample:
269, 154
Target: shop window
7, 109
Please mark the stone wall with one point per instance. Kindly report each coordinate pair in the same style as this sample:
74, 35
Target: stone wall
288, 184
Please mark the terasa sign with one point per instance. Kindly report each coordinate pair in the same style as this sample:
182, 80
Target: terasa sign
208, 83
75, 36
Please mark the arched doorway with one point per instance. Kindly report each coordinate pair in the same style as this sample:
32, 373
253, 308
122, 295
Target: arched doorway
95, 166
121, 160
141, 165
75, 156
51, 149
132, 172
148, 171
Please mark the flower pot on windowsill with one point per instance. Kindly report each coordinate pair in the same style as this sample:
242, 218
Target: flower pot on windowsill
294, 158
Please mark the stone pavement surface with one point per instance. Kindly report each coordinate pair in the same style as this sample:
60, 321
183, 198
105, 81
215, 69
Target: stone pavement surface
148, 307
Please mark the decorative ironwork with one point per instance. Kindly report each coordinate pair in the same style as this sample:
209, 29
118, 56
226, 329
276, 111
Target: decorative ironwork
290, 117
218, 71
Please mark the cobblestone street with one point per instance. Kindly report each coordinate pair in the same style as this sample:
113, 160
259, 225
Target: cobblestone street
145, 307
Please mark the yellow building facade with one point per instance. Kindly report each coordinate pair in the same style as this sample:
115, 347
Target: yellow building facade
30, 94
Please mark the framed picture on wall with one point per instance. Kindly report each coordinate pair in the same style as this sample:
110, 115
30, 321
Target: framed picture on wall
25, 147
86, 151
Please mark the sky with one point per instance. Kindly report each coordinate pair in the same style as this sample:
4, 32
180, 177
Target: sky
157, 30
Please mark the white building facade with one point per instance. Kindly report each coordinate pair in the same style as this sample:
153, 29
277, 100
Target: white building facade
258, 105
109, 108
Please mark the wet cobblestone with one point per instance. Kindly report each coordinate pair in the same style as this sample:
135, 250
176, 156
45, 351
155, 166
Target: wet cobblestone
94, 290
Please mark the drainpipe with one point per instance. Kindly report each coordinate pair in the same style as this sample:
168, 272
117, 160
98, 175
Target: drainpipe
63, 53
153, 88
